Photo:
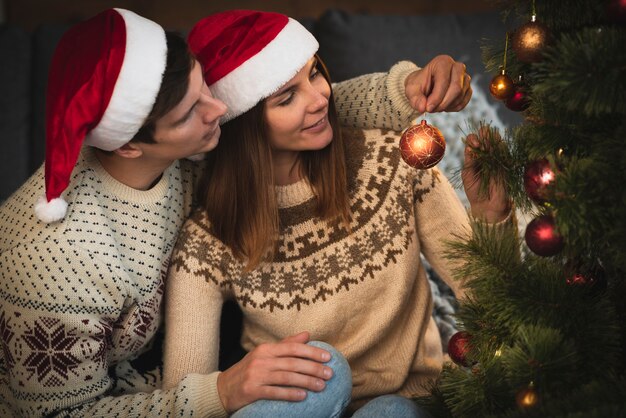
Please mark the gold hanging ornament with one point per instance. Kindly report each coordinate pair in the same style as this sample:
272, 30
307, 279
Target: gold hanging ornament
527, 397
531, 39
501, 86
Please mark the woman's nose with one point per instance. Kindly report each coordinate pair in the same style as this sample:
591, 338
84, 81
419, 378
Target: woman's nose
318, 101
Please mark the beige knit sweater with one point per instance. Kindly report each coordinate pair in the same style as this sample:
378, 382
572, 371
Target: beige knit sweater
365, 292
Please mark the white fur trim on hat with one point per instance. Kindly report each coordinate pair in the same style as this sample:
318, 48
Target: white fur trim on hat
266, 72
51, 211
137, 85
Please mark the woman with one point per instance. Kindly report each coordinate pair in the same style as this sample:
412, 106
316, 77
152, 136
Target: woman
308, 227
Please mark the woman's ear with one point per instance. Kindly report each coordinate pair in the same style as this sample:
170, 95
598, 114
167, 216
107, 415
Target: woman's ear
129, 150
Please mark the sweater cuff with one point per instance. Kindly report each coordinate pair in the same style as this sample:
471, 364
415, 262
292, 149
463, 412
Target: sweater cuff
396, 90
509, 220
206, 400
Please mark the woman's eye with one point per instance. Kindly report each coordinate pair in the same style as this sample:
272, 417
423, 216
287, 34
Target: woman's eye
314, 74
288, 100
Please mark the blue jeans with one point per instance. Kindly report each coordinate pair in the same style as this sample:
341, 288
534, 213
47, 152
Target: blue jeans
329, 403
391, 406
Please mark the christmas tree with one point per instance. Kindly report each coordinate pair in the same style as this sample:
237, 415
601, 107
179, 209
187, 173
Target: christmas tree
544, 322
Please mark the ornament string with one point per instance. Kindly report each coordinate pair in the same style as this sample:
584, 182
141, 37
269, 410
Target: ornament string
506, 47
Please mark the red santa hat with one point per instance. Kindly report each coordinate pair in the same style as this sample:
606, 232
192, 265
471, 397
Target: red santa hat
248, 55
104, 78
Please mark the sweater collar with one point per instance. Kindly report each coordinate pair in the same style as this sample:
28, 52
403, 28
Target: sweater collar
122, 191
293, 194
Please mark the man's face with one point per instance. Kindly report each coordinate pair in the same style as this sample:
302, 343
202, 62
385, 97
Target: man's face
192, 127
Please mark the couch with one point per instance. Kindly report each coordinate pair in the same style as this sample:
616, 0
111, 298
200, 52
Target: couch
350, 45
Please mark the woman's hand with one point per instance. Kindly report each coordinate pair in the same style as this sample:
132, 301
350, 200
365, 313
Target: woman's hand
493, 207
281, 371
442, 85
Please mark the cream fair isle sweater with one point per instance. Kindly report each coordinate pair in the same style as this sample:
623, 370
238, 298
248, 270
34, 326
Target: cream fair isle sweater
389, 336
364, 292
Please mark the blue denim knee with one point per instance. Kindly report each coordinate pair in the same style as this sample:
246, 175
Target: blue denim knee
391, 406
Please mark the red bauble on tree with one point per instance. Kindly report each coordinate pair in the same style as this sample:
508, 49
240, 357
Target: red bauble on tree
538, 175
519, 101
458, 347
542, 238
422, 146
501, 86
530, 41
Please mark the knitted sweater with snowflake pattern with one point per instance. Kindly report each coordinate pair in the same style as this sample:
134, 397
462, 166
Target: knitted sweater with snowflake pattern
80, 300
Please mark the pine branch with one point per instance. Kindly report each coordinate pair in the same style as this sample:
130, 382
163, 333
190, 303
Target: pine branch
599, 399
489, 255
542, 355
585, 72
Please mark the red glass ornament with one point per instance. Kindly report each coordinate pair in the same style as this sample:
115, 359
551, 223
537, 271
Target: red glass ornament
542, 238
422, 146
519, 101
529, 41
537, 177
616, 11
458, 347
501, 86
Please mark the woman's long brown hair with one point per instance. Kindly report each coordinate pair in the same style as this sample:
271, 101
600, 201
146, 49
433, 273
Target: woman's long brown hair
237, 189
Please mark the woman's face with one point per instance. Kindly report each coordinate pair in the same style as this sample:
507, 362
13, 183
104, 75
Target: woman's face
297, 114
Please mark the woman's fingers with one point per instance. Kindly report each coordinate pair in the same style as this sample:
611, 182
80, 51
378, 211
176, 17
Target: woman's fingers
294, 380
300, 366
278, 393
290, 349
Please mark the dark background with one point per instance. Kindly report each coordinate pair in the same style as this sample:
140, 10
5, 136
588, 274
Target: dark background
182, 14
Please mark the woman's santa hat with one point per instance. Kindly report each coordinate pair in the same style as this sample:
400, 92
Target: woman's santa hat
248, 55
104, 78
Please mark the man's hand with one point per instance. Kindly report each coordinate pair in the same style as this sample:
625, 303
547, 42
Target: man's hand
281, 371
441, 86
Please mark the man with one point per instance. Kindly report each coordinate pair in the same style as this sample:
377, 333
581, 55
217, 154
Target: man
81, 269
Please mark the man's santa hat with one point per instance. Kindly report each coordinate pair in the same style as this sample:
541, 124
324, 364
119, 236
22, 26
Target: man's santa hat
104, 78
248, 55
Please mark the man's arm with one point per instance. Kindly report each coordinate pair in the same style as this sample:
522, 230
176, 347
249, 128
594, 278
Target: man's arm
58, 337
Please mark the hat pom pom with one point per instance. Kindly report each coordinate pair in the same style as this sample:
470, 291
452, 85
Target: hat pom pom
51, 211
